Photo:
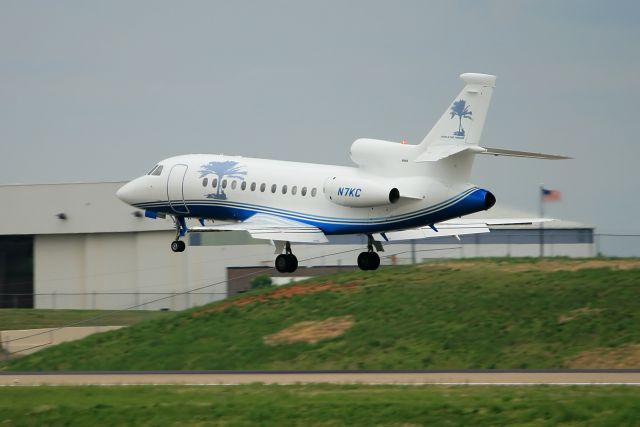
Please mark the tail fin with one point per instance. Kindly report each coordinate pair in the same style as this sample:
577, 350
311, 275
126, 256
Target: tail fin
463, 121
452, 144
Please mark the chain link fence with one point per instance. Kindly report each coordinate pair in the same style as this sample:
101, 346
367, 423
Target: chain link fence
499, 243
166, 301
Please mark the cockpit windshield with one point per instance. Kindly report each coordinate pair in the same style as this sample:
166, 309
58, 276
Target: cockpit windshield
157, 170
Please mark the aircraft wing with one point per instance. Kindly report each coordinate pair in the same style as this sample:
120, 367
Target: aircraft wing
271, 227
497, 221
456, 227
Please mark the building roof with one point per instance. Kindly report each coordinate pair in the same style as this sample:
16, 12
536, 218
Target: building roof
94, 208
89, 208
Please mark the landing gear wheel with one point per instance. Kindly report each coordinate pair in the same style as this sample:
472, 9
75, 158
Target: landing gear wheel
293, 262
362, 260
374, 260
178, 246
281, 263
368, 261
286, 263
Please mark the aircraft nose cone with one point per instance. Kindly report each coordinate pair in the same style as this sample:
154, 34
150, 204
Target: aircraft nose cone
126, 193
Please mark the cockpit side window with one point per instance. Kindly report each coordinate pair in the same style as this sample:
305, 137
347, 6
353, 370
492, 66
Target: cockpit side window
152, 170
157, 171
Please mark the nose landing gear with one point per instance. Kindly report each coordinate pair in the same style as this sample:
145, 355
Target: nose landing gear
181, 228
287, 262
370, 260
178, 246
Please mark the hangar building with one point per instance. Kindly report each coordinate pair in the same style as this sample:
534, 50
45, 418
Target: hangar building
77, 246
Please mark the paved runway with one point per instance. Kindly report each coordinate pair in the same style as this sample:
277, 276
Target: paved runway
466, 377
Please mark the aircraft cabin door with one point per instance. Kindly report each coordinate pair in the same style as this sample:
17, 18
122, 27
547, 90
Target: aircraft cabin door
175, 189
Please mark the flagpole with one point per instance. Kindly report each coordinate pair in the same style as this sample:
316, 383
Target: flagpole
542, 223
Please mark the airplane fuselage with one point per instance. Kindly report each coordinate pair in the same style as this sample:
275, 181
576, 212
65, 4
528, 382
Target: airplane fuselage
232, 188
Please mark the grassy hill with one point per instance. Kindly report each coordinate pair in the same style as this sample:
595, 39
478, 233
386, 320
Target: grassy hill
509, 313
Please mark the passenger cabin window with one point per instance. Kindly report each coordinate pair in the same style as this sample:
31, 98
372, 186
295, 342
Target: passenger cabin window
157, 171
313, 192
205, 181
294, 190
274, 188
284, 189
263, 186
214, 183
253, 186
304, 191
234, 184
243, 186
224, 183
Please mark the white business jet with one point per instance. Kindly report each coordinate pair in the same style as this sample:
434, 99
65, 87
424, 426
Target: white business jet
396, 191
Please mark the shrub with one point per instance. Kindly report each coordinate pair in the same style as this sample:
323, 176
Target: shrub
262, 281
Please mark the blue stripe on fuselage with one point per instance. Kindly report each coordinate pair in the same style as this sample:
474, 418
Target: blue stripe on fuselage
468, 202
164, 206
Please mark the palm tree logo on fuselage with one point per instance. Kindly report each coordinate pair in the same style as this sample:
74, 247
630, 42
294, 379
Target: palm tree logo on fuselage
227, 168
461, 110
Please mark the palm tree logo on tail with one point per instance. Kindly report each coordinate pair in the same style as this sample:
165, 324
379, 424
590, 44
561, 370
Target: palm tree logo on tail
227, 168
461, 110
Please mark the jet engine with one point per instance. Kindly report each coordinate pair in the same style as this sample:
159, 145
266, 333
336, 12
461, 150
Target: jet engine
378, 155
359, 193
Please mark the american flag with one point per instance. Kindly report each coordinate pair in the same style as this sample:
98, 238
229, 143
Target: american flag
550, 195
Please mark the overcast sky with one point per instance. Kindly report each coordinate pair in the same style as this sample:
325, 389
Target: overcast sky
93, 91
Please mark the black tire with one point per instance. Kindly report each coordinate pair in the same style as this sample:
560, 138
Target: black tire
293, 263
282, 264
178, 246
368, 261
363, 261
374, 260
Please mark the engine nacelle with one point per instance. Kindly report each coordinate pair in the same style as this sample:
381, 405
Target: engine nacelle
359, 193
378, 154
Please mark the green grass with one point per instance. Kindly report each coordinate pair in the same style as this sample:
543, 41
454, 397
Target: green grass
320, 405
468, 314
20, 318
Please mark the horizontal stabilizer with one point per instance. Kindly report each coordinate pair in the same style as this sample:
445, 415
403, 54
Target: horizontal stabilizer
527, 154
442, 151
438, 152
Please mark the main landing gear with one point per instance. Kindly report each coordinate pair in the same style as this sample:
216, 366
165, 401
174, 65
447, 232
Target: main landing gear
370, 260
286, 262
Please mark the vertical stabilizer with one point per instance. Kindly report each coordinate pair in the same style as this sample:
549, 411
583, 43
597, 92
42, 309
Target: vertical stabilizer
463, 120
